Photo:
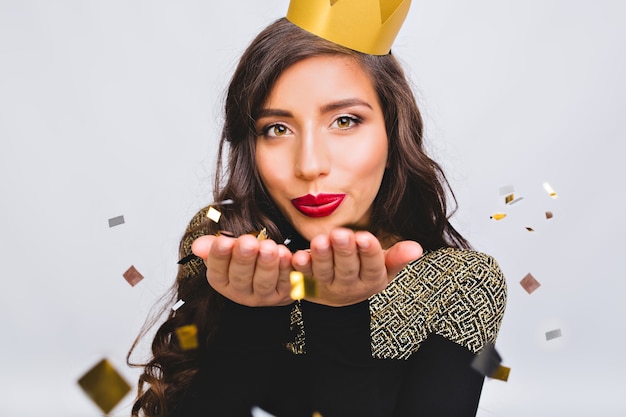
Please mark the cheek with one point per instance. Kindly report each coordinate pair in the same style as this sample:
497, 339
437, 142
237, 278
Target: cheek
272, 169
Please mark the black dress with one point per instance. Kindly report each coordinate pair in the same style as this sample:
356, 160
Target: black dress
404, 352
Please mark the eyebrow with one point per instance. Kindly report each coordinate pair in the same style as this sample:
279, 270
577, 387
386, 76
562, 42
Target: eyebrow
336, 105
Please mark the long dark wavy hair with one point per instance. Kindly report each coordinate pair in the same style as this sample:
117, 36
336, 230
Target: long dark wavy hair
411, 203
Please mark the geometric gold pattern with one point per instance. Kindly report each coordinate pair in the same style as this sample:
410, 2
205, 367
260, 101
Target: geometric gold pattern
456, 293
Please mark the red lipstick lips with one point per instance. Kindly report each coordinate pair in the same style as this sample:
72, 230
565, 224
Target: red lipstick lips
320, 205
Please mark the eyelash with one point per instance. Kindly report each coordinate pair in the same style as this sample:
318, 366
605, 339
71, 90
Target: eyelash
265, 131
354, 120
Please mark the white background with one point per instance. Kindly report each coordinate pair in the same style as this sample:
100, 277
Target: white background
113, 108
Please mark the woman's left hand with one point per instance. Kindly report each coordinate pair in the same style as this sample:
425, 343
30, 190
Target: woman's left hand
349, 267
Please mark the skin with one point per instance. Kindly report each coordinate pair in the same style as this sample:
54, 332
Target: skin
323, 122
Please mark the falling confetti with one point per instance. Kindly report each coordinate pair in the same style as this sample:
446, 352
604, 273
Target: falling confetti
187, 337
104, 385
502, 373
214, 214
222, 203
529, 283
262, 235
132, 276
549, 190
498, 216
259, 412
549, 215
510, 199
187, 259
530, 229
178, 305
296, 278
487, 361
116, 221
301, 286
553, 334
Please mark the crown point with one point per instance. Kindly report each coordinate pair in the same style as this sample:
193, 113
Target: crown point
387, 8
368, 26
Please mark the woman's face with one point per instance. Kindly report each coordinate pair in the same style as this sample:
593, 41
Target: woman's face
321, 148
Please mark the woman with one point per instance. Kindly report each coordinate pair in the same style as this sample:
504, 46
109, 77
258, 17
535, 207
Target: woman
325, 153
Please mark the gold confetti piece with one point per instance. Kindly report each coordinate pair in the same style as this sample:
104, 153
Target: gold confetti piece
316, 414
262, 235
498, 216
502, 373
178, 304
132, 276
214, 214
509, 198
518, 199
529, 283
104, 385
553, 334
116, 221
530, 229
301, 286
187, 337
549, 190
549, 215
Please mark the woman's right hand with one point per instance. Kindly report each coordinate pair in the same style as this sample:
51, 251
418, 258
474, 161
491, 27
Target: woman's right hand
246, 270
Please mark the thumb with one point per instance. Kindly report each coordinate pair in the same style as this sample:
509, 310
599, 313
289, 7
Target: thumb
400, 254
202, 246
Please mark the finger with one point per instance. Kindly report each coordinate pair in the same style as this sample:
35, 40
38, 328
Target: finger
372, 258
322, 261
242, 264
265, 278
345, 255
301, 261
400, 254
285, 268
202, 246
218, 260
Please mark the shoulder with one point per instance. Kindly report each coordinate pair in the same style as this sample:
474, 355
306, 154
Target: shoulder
456, 293
189, 265
468, 269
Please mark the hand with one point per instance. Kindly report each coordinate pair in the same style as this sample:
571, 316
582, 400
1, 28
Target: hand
246, 270
349, 267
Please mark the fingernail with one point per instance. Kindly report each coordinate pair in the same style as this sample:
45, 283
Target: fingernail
341, 239
223, 246
363, 243
245, 250
265, 255
323, 248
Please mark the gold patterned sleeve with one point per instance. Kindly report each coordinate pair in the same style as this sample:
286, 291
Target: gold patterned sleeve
455, 293
198, 226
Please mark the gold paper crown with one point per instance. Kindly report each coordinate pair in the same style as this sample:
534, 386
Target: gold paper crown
368, 26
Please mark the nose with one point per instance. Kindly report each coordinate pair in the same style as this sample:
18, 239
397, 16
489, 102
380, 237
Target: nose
312, 155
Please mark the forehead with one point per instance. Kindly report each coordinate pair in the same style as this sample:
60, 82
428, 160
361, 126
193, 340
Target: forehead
321, 79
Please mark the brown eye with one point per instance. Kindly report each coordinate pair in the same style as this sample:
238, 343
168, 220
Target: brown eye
346, 122
276, 130
279, 130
